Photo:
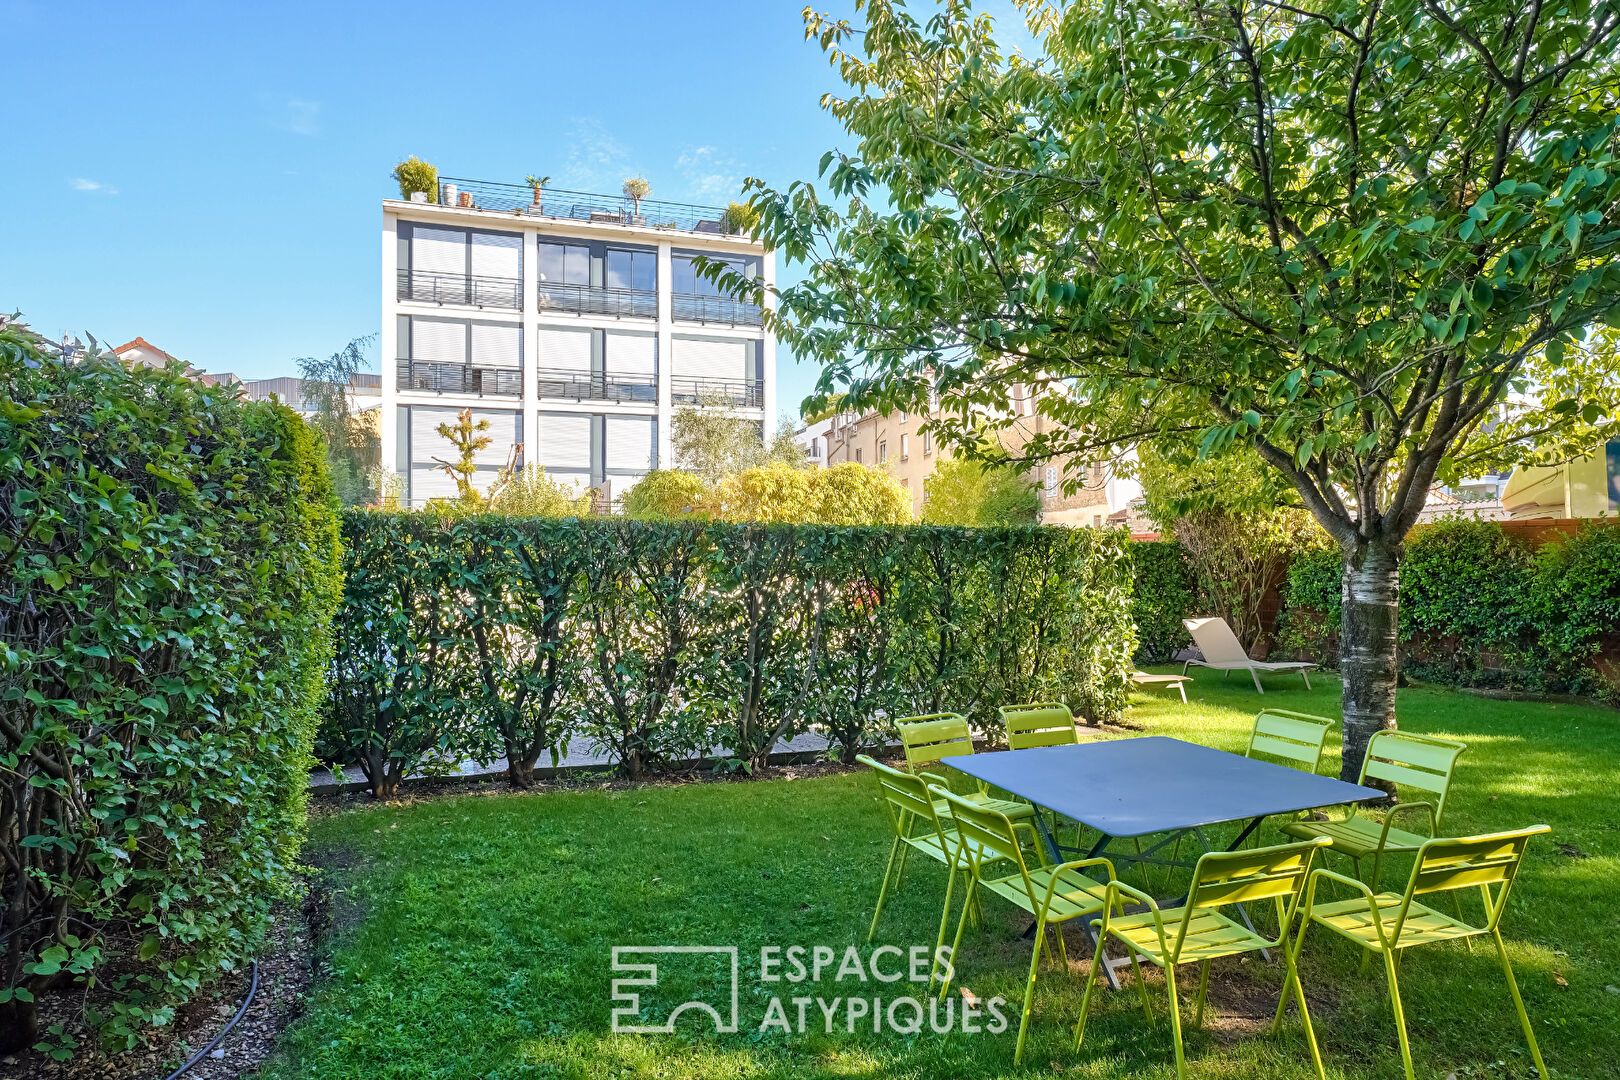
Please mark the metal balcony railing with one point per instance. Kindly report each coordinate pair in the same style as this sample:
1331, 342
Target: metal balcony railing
519, 199
741, 393
598, 300
442, 378
486, 292
596, 386
721, 310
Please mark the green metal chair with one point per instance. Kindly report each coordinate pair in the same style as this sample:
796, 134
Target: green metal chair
1388, 922
1297, 738
1044, 723
930, 739
916, 827
996, 862
1420, 762
1201, 932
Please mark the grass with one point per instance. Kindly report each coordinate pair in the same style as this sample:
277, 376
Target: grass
480, 928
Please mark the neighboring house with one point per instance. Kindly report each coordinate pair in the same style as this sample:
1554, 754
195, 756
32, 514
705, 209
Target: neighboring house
1469, 501
574, 323
813, 439
143, 352
365, 395
899, 443
1588, 487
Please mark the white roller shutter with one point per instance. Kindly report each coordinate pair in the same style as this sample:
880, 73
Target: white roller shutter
442, 341
565, 350
427, 443
430, 482
709, 358
631, 354
438, 251
496, 345
628, 443
563, 442
496, 255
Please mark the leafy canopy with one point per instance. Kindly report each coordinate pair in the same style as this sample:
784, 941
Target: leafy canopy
1351, 235
964, 491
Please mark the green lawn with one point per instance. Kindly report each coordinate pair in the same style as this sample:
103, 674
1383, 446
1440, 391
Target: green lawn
479, 929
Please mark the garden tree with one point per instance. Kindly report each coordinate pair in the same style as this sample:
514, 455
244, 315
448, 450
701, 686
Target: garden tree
1341, 232
467, 436
532, 493
1231, 515
353, 450
967, 491
709, 440
771, 494
775, 493
854, 494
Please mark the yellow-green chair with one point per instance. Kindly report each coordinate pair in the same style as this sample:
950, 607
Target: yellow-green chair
1200, 932
928, 740
1297, 738
916, 827
1388, 922
1044, 723
997, 862
1420, 762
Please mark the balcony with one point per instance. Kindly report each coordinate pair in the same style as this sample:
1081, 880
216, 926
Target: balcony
520, 200
738, 393
597, 386
441, 378
717, 310
598, 300
484, 292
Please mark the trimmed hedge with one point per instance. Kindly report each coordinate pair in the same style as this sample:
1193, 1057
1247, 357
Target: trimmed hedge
170, 568
493, 635
1165, 592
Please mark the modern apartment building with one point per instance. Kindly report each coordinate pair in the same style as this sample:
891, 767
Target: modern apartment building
574, 323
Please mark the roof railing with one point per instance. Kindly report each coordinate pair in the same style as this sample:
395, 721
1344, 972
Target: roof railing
521, 200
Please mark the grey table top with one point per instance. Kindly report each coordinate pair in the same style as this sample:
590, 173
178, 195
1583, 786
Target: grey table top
1133, 787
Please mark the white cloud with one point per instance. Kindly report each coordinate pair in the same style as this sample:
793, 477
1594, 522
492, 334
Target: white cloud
79, 183
297, 115
709, 174
596, 160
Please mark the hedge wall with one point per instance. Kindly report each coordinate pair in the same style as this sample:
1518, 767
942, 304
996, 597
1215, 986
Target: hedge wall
169, 572
490, 636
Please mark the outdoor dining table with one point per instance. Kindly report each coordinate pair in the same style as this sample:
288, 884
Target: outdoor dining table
1155, 786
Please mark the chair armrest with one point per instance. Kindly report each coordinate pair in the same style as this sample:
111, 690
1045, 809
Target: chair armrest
1115, 889
1361, 887
1389, 818
1034, 840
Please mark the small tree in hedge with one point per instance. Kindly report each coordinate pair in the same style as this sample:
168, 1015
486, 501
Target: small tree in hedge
964, 491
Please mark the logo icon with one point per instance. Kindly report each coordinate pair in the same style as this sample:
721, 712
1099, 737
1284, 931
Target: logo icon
627, 995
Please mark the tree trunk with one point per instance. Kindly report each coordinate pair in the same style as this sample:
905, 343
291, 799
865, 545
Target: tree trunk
19, 1025
520, 768
1368, 639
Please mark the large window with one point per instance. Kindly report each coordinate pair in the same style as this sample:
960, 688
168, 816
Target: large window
632, 270
564, 264
684, 276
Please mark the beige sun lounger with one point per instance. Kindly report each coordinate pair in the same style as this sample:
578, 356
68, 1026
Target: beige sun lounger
1223, 652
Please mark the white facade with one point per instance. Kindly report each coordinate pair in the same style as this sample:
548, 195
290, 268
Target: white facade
576, 332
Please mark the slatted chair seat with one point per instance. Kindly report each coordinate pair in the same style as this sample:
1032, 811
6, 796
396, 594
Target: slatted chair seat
1012, 808
1423, 925
1075, 894
1358, 836
1210, 936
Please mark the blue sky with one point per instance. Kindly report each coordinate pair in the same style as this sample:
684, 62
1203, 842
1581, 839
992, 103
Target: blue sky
209, 176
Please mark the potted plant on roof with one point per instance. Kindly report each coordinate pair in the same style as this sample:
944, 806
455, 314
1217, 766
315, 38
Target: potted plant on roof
739, 217
416, 177
537, 183
635, 189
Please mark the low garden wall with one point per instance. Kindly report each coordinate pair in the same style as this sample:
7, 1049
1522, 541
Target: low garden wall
491, 636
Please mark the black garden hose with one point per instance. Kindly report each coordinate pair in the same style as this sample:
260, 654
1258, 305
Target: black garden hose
253, 988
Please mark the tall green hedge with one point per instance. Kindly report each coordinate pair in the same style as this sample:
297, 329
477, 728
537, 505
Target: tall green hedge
1165, 592
169, 560
658, 641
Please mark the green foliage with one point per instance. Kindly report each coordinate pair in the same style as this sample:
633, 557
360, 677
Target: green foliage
712, 443
486, 635
534, 494
414, 174
963, 491
740, 217
170, 571
1479, 608
665, 495
637, 188
353, 451
1163, 593
850, 493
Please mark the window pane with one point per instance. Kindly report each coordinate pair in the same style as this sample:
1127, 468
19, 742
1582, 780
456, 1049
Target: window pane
550, 263
682, 278
577, 269
646, 272
618, 269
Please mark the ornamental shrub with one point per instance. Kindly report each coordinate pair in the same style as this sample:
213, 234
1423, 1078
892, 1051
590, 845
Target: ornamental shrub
170, 566
1163, 594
